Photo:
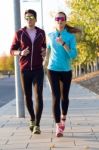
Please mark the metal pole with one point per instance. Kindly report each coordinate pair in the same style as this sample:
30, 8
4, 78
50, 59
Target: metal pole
42, 14
20, 110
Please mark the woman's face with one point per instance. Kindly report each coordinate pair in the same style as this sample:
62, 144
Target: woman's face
60, 21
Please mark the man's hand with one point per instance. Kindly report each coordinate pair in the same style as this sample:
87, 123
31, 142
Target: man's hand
25, 52
43, 53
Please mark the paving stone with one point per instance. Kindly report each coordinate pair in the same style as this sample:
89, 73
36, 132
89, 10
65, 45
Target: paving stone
81, 132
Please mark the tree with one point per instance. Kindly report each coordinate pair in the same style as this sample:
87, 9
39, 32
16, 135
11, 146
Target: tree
85, 13
6, 63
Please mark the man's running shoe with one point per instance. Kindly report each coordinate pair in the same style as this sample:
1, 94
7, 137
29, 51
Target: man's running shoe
31, 126
36, 130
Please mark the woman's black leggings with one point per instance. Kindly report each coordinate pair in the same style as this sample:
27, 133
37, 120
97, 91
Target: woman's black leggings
28, 78
60, 86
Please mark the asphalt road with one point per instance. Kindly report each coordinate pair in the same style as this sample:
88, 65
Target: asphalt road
7, 90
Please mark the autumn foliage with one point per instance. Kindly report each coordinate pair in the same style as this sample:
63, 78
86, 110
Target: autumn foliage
6, 63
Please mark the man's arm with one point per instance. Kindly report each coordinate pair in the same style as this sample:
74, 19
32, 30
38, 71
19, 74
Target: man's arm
43, 53
46, 59
18, 52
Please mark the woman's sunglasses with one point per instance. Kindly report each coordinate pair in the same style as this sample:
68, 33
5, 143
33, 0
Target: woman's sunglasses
60, 19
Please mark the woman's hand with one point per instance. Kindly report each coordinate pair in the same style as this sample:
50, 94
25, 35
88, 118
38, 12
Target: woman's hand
59, 40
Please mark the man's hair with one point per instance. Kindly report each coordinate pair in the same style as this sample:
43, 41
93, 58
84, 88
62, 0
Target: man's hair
33, 12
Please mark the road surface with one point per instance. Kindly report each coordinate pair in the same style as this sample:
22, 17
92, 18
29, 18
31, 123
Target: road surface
7, 90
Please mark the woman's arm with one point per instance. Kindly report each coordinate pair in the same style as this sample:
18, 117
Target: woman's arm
71, 49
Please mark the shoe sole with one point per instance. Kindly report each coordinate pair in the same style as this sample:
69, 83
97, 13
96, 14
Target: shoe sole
36, 132
59, 135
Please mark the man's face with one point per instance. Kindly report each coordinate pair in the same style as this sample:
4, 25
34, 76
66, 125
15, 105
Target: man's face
30, 19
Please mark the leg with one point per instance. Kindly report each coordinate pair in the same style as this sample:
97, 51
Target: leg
26, 78
54, 83
38, 89
65, 82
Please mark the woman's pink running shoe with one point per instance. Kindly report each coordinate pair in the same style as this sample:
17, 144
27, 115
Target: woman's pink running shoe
59, 131
63, 125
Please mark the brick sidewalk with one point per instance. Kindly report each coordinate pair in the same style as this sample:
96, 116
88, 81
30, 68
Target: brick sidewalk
82, 125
